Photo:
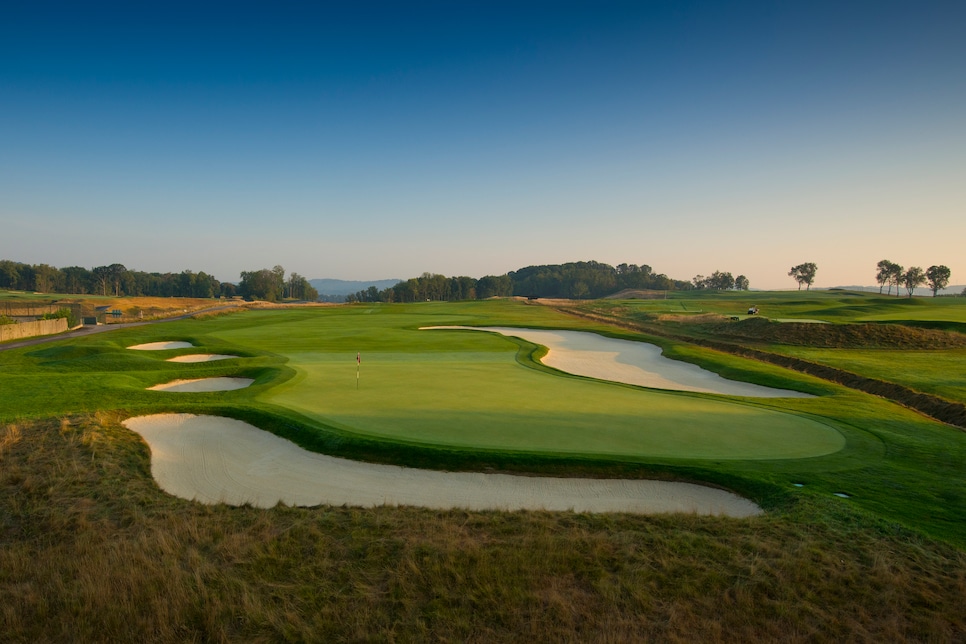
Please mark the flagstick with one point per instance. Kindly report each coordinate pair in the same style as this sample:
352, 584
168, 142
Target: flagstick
358, 368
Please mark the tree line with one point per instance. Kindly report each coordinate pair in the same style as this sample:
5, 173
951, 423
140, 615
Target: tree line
271, 285
574, 280
118, 280
721, 281
891, 274
112, 279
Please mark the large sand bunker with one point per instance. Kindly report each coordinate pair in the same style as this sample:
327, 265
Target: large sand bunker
214, 459
161, 346
204, 385
200, 357
635, 363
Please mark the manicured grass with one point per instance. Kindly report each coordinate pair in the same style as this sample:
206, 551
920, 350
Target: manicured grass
467, 390
91, 549
830, 306
472, 401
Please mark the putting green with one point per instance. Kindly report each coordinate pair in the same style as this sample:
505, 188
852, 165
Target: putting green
467, 390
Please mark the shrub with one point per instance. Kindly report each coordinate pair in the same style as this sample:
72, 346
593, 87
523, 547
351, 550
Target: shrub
62, 313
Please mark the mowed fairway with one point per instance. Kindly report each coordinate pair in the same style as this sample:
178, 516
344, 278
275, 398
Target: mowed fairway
468, 390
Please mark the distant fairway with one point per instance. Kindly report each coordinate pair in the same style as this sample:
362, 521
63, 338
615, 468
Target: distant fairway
467, 390
822, 305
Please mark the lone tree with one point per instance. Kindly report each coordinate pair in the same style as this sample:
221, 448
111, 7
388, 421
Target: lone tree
938, 277
912, 278
883, 274
741, 283
896, 272
804, 274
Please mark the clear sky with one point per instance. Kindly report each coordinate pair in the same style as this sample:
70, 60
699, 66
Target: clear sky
370, 140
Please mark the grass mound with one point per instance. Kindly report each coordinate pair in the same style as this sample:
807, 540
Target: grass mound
637, 294
841, 336
90, 549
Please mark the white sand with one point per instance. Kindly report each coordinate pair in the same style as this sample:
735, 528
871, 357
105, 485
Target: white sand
161, 346
635, 363
200, 357
204, 384
222, 460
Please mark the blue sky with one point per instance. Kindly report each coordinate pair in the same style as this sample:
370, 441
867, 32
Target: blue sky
368, 140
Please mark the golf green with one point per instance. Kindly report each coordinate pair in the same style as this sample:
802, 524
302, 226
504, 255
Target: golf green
468, 390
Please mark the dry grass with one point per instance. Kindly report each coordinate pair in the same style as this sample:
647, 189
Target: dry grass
861, 336
137, 308
90, 549
692, 318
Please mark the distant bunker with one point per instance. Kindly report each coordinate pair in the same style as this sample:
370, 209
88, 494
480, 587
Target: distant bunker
161, 346
203, 385
588, 354
200, 357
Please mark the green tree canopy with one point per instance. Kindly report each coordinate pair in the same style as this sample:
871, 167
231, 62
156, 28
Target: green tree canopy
884, 272
804, 274
938, 277
912, 278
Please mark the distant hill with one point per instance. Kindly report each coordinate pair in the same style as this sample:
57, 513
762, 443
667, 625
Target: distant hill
346, 287
922, 291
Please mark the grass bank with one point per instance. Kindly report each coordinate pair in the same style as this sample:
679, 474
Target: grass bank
893, 462
92, 550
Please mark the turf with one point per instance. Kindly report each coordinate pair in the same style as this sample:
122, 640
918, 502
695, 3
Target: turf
462, 389
894, 463
91, 549
832, 306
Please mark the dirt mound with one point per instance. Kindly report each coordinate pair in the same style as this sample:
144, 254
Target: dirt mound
837, 336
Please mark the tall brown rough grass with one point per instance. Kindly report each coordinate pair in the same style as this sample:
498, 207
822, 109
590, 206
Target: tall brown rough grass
91, 549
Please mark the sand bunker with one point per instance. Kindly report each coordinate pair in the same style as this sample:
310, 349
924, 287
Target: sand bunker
204, 384
214, 459
161, 346
200, 357
635, 363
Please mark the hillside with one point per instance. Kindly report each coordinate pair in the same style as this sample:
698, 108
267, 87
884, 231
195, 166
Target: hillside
327, 286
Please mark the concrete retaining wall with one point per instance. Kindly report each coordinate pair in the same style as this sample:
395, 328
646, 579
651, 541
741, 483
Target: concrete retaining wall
18, 310
31, 329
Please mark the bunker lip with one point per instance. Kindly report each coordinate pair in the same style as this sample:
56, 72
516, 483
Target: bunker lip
214, 459
203, 385
584, 353
161, 346
200, 357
